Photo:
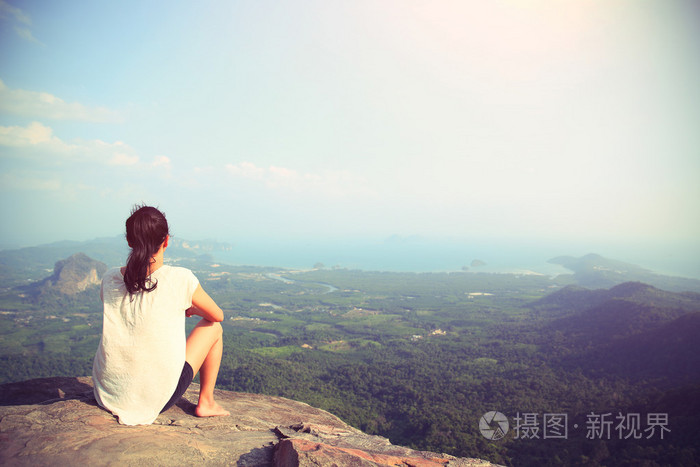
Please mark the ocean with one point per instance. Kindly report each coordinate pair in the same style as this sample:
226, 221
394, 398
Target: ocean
409, 254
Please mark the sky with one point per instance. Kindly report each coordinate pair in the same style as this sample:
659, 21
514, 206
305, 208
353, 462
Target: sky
552, 121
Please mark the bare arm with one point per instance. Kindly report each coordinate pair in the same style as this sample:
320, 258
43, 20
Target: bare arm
204, 306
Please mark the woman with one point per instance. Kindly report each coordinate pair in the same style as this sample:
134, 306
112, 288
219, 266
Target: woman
144, 363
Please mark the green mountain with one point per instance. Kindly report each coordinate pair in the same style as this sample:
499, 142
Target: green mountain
632, 331
598, 316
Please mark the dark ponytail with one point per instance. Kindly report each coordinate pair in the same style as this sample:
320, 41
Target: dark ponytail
146, 230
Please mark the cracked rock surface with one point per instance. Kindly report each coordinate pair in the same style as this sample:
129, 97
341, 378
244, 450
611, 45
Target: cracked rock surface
56, 421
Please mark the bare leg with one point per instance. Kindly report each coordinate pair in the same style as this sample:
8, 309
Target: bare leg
204, 350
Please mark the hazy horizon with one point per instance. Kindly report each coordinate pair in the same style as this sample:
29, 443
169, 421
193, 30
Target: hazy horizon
429, 254
530, 123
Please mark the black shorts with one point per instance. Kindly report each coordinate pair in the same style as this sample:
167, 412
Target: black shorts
186, 378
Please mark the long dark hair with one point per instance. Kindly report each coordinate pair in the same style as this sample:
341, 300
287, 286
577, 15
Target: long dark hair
146, 230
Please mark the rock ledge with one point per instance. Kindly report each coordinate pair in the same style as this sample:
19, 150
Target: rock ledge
55, 421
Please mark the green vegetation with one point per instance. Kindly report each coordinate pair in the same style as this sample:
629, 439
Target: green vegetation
419, 358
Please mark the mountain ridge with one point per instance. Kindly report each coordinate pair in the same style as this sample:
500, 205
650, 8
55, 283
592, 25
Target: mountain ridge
624, 309
577, 298
596, 271
18, 265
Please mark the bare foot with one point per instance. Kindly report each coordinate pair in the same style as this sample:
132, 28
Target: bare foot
210, 410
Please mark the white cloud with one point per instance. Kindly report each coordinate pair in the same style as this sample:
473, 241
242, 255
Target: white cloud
26, 34
326, 183
246, 170
37, 141
45, 105
162, 166
161, 161
283, 174
19, 182
7, 10
17, 16
121, 158
35, 134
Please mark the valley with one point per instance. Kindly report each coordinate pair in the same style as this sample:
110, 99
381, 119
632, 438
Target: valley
418, 357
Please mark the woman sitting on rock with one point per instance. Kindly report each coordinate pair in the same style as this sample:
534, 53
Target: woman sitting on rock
144, 363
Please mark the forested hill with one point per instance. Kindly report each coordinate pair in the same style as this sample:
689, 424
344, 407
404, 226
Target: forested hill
604, 315
663, 356
632, 330
591, 318
576, 299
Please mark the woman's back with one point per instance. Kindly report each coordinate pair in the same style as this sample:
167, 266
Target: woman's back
142, 350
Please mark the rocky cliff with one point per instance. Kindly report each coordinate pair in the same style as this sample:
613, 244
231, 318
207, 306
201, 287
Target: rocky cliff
55, 421
74, 274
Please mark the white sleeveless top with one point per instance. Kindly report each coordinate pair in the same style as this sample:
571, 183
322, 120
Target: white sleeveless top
142, 350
